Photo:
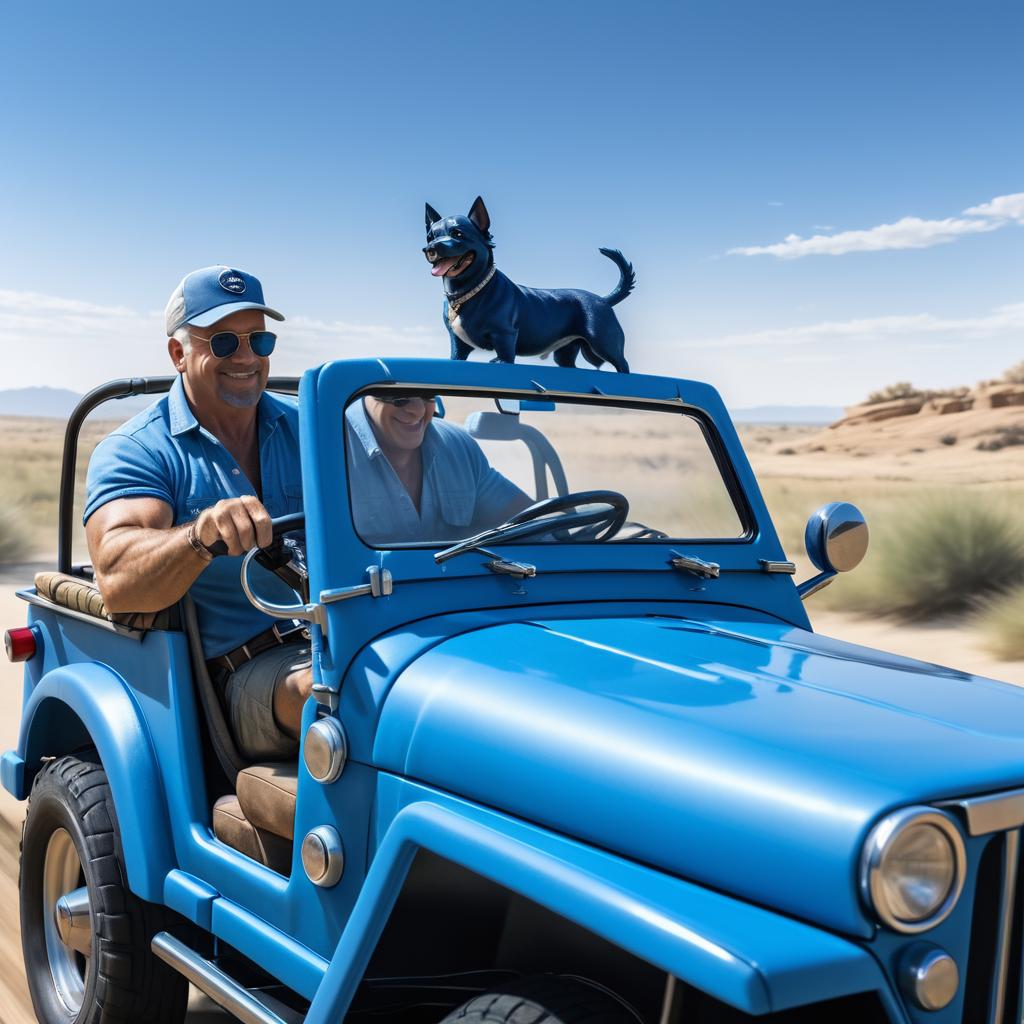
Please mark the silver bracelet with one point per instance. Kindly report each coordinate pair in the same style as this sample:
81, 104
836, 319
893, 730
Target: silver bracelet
192, 536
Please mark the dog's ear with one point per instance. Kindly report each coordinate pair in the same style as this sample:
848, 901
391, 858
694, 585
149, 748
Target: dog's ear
479, 216
432, 215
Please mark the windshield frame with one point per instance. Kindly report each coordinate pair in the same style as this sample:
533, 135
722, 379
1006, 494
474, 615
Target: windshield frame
705, 423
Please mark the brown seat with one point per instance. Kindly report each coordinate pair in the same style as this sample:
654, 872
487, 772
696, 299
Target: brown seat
266, 793
260, 820
82, 595
232, 827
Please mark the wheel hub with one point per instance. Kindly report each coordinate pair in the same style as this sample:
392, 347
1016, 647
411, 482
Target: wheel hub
67, 919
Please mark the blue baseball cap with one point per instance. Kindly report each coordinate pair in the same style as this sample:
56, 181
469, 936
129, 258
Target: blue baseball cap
208, 295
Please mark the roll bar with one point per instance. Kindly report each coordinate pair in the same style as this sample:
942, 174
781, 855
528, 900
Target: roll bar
129, 387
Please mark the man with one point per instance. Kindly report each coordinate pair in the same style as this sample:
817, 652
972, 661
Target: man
204, 469
211, 463
415, 480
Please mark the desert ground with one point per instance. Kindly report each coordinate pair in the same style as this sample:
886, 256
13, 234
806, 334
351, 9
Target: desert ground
886, 467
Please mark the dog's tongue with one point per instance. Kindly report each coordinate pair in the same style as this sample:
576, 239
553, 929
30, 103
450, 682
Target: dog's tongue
441, 267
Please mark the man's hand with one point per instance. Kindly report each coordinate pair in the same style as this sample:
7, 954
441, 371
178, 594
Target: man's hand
242, 523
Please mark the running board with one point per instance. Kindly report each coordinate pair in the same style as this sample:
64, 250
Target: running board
211, 980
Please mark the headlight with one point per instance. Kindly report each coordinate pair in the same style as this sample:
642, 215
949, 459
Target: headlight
912, 868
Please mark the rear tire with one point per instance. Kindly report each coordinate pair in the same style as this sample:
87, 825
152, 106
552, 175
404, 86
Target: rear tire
547, 999
71, 844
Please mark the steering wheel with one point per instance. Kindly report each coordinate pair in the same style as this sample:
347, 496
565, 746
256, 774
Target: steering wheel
598, 525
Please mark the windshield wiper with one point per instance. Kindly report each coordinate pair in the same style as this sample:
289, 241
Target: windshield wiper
474, 543
502, 566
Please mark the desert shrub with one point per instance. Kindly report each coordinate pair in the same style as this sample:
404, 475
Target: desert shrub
901, 389
1002, 625
940, 556
1015, 374
947, 439
12, 535
787, 451
1006, 437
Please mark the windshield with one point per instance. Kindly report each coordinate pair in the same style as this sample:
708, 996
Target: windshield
426, 470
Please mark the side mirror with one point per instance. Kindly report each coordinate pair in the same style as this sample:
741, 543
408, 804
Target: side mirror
836, 539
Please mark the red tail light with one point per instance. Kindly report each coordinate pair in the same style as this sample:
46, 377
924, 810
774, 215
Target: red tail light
20, 643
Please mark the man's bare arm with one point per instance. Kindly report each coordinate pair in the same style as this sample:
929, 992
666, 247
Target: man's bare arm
144, 564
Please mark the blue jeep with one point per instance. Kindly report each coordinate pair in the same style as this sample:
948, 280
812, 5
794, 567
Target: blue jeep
591, 765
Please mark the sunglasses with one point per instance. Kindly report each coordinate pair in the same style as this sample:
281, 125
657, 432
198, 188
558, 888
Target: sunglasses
401, 401
225, 343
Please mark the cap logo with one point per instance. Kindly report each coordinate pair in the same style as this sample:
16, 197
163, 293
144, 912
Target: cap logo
232, 281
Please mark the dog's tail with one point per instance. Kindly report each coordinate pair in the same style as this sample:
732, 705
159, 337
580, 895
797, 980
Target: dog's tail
627, 279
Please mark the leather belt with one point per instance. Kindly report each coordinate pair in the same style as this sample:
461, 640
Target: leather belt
285, 633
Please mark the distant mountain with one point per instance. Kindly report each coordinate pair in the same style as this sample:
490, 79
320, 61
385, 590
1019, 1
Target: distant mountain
789, 414
58, 403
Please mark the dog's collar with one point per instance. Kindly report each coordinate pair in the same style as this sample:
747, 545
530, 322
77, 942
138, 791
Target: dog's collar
455, 302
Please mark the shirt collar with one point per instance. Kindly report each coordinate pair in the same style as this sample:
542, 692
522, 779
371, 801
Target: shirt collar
360, 424
183, 419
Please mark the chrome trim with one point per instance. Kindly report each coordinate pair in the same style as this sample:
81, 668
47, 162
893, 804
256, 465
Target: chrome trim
875, 846
671, 1002
691, 563
987, 814
929, 977
325, 750
323, 857
767, 565
381, 584
62, 877
306, 612
345, 593
1011, 858
507, 567
73, 917
113, 627
326, 696
211, 980
815, 584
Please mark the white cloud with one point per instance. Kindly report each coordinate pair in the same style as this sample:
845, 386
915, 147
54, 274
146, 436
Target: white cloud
1001, 208
774, 202
69, 343
906, 233
1008, 318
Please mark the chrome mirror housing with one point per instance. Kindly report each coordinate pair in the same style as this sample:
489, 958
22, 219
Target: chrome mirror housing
836, 539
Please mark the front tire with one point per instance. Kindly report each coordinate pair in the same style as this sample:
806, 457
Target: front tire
85, 935
548, 999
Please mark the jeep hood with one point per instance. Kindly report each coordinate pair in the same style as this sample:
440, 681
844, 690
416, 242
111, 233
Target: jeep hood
748, 755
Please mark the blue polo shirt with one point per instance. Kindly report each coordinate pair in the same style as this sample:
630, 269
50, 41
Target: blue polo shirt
462, 492
164, 453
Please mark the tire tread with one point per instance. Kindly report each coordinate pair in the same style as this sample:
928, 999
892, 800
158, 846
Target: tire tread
132, 985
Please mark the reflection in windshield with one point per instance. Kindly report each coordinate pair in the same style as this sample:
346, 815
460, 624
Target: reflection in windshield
418, 478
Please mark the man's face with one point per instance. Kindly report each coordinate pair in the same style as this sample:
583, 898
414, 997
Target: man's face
238, 379
399, 429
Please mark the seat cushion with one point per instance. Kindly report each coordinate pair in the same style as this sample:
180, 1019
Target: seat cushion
82, 595
266, 793
231, 827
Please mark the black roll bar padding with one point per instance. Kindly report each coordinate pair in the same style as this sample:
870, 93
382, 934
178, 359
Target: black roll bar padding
129, 387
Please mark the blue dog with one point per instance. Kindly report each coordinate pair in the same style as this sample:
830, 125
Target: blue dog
484, 309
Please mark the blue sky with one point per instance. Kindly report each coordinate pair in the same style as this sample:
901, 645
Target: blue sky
300, 142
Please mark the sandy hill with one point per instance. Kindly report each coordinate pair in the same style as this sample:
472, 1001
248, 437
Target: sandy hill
975, 434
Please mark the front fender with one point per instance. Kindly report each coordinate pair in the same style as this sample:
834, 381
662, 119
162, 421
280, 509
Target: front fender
103, 705
751, 958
